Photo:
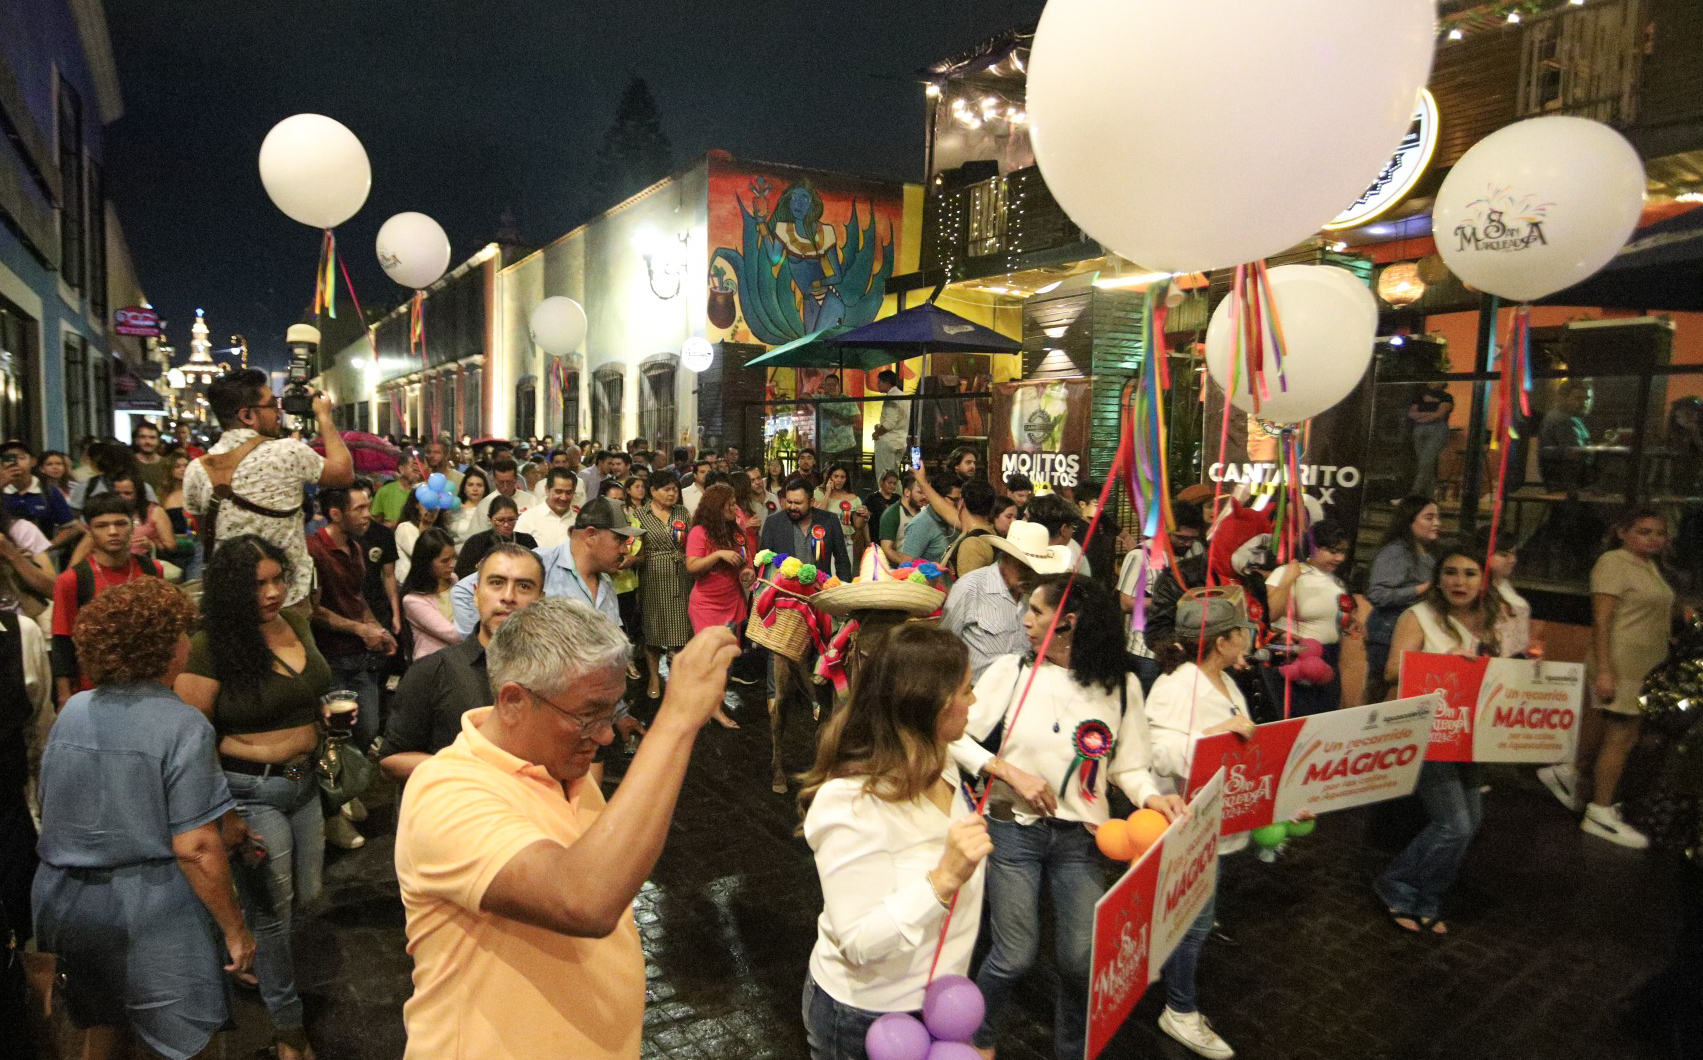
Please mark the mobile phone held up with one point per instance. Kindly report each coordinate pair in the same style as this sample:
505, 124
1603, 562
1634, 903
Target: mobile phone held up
916, 456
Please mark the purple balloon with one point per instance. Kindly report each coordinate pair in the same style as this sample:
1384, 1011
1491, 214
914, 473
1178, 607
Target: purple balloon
952, 1051
896, 1036
953, 1008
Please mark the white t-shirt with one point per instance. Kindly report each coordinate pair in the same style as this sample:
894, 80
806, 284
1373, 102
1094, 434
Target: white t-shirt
522, 500
875, 937
1316, 600
545, 526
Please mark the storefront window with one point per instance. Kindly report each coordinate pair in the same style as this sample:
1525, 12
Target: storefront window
1616, 418
607, 400
18, 338
656, 404
526, 407
570, 405
79, 417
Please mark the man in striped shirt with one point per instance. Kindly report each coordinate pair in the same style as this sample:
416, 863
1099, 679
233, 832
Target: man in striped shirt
985, 607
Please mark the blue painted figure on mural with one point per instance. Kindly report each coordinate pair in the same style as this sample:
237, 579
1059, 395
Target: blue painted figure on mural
797, 273
794, 230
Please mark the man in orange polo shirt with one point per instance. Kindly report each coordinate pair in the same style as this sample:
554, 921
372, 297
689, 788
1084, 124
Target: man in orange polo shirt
517, 878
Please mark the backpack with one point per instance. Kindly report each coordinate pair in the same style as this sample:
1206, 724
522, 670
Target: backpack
85, 576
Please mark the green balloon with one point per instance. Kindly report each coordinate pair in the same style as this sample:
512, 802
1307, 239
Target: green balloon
1297, 829
1270, 835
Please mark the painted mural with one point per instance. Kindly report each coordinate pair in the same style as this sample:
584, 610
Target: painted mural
796, 251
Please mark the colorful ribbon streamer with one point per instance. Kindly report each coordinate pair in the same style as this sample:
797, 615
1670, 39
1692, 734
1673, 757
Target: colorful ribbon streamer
417, 325
325, 277
1513, 396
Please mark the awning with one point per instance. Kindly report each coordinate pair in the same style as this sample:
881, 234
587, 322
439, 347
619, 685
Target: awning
1659, 268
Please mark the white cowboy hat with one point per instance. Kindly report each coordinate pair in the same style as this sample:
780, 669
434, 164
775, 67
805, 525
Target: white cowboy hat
1028, 542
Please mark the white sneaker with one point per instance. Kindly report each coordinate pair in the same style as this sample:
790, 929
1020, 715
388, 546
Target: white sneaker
340, 833
1563, 783
355, 810
1605, 822
1195, 1034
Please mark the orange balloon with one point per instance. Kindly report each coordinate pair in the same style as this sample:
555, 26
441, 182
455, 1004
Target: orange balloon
1145, 828
1115, 841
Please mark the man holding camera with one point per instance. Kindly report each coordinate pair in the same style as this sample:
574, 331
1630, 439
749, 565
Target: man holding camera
251, 481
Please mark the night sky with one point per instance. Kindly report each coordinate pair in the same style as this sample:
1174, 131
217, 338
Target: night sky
471, 107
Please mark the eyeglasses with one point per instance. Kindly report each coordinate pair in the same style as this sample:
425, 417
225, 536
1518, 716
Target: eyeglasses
588, 726
273, 404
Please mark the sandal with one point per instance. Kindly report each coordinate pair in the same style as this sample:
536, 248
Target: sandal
1415, 925
1432, 925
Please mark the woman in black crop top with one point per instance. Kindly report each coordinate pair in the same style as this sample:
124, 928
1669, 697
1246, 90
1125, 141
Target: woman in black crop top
254, 670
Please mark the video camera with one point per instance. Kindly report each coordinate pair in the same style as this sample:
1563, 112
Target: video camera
303, 341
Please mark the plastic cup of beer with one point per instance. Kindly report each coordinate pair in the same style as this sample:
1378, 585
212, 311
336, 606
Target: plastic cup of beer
340, 707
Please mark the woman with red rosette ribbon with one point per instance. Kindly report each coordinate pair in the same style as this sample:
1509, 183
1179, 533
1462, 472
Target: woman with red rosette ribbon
837, 499
716, 560
1081, 724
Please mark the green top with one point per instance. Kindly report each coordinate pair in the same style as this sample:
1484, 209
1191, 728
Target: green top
388, 501
285, 700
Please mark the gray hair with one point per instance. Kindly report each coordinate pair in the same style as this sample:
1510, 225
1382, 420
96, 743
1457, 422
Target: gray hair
549, 645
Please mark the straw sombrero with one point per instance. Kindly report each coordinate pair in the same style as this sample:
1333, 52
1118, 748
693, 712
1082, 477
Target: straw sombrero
890, 594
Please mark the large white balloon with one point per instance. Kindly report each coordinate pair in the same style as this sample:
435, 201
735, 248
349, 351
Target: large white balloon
413, 250
1329, 327
558, 325
1538, 206
1196, 134
315, 170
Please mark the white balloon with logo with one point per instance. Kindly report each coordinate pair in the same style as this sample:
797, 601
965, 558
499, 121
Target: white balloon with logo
1538, 206
558, 325
1330, 322
315, 170
413, 249
1190, 135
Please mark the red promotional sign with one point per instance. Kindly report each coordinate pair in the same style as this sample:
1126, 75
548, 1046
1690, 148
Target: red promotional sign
1139, 922
135, 320
1331, 761
1498, 710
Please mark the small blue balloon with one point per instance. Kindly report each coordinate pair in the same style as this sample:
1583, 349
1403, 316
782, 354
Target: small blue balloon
437, 482
448, 500
425, 495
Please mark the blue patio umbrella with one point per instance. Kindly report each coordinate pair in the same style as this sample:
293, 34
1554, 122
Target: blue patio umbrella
927, 328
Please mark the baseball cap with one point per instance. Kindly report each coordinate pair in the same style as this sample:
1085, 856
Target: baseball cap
602, 514
1217, 614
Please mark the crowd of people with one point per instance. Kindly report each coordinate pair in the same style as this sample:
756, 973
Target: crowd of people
188, 753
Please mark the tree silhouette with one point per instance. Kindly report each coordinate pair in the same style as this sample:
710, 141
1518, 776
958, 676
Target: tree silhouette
635, 153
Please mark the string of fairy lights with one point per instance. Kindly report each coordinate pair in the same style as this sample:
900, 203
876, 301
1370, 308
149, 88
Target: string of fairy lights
1495, 16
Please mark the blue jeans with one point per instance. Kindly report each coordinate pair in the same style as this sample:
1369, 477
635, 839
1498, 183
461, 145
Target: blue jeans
1419, 876
356, 673
1179, 971
286, 817
834, 1030
1429, 440
1061, 853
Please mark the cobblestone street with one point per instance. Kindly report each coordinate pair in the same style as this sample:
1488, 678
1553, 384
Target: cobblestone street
1554, 934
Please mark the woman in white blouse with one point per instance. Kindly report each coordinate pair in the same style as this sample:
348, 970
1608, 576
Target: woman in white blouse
1081, 726
1305, 601
1454, 617
896, 839
1194, 698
